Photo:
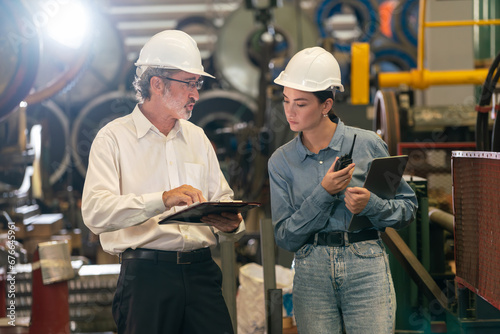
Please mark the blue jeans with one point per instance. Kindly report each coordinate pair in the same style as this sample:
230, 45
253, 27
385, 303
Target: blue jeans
348, 286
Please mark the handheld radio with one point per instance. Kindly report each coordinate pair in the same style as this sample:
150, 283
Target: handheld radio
346, 159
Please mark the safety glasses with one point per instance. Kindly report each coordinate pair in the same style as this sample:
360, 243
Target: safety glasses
191, 84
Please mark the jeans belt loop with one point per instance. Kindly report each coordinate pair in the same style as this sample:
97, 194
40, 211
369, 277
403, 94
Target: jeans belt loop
346, 239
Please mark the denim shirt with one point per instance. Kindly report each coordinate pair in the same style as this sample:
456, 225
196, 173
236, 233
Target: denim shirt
301, 207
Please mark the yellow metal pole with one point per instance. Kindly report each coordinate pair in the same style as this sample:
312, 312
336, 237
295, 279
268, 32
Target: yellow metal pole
420, 77
421, 35
440, 24
424, 79
360, 73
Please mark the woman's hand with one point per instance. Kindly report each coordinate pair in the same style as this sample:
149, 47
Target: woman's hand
335, 182
356, 199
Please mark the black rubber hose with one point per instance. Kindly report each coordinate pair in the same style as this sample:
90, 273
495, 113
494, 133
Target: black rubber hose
495, 139
482, 131
487, 90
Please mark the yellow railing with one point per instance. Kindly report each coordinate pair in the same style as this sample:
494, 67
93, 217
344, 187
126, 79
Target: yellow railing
420, 77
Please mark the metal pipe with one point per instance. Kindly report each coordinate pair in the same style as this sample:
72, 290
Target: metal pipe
269, 268
423, 79
275, 311
360, 73
421, 35
442, 218
267, 251
440, 24
413, 267
420, 77
228, 260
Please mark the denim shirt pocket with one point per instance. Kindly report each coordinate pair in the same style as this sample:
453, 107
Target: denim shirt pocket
368, 249
303, 251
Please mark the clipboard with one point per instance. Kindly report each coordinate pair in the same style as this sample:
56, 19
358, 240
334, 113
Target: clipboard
194, 212
383, 179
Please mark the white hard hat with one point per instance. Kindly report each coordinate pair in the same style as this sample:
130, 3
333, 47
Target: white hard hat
171, 49
311, 70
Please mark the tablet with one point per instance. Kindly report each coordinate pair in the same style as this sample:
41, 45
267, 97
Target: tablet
383, 179
194, 212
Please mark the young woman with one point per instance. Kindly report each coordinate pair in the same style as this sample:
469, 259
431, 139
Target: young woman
342, 279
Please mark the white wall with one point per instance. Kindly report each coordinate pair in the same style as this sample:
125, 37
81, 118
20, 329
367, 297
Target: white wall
449, 48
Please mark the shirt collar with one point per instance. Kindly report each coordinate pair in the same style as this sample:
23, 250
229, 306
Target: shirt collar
338, 136
335, 142
143, 125
177, 130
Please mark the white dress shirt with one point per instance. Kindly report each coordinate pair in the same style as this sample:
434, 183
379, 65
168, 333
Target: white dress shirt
131, 164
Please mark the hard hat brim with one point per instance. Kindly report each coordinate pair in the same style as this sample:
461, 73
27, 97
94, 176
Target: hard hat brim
303, 88
188, 70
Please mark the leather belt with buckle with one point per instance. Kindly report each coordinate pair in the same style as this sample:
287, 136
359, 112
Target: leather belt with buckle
338, 239
198, 255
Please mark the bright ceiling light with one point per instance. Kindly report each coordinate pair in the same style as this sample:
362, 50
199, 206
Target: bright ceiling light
69, 25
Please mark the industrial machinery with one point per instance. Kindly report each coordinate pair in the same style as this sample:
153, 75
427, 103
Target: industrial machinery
439, 141
69, 94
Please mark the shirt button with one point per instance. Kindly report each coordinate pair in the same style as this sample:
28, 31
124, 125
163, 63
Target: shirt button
321, 162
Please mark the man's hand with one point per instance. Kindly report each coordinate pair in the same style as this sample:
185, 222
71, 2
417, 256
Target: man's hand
356, 199
335, 182
183, 195
225, 222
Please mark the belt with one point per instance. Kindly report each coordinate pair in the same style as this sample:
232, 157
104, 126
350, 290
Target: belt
338, 239
198, 255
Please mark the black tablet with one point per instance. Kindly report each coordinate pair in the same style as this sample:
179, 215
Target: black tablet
383, 179
194, 212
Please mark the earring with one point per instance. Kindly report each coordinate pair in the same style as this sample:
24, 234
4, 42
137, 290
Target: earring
325, 115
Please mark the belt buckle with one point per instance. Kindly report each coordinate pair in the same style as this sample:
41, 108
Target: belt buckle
179, 259
336, 239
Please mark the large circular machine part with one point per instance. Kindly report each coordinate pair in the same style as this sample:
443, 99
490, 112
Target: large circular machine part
386, 11
59, 64
19, 54
104, 70
347, 21
227, 117
204, 32
15, 150
391, 57
405, 22
386, 121
92, 118
240, 44
222, 115
56, 153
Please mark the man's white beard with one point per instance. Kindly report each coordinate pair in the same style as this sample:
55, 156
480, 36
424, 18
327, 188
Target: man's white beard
182, 111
